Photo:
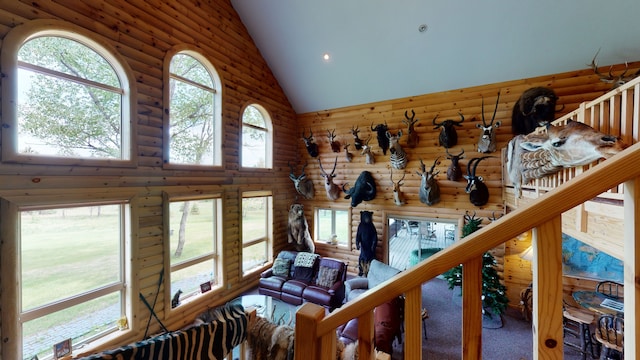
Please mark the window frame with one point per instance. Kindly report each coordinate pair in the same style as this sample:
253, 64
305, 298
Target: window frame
10, 207
219, 156
201, 193
269, 231
268, 130
316, 226
9, 63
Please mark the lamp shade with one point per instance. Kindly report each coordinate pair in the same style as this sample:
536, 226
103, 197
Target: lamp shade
527, 254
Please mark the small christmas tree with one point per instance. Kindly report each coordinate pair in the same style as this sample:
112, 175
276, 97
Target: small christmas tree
494, 296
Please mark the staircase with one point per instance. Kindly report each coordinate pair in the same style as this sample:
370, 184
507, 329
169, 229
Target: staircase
617, 113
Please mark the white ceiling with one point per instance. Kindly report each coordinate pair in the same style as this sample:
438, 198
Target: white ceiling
377, 52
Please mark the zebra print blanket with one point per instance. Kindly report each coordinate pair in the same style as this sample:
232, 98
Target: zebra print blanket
211, 340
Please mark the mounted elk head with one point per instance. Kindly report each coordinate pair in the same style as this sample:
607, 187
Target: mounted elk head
312, 147
493, 217
303, 185
614, 80
476, 188
535, 107
398, 156
487, 140
454, 171
357, 142
383, 141
398, 197
448, 135
363, 190
335, 145
347, 155
429, 189
333, 190
412, 135
368, 153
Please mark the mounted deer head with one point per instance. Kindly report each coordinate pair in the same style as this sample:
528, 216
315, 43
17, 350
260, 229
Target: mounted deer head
429, 189
398, 156
333, 190
454, 172
412, 136
398, 197
357, 143
347, 155
303, 185
368, 153
476, 188
487, 140
493, 217
383, 141
335, 145
312, 148
448, 135
614, 80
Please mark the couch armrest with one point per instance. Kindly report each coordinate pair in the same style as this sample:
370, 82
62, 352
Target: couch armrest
356, 283
338, 285
267, 273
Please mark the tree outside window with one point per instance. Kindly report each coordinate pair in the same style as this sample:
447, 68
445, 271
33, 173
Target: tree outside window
256, 138
256, 230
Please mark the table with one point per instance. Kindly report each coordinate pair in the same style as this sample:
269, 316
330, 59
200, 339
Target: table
592, 300
276, 311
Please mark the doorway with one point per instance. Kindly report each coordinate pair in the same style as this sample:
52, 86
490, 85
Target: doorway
414, 239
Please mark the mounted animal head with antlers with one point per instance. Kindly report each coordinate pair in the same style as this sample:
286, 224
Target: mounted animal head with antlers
412, 136
312, 147
347, 155
368, 153
448, 135
487, 140
357, 142
332, 189
398, 197
454, 171
614, 80
303, 185
476, 188
429, 189
335, 145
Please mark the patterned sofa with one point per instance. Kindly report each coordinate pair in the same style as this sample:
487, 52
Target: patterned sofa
298, 277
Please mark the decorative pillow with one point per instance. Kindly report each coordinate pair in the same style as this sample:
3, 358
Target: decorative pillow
326, 276
303, 273
305, 259
281, 267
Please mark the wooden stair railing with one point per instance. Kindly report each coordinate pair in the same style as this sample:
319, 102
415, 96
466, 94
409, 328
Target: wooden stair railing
315, 333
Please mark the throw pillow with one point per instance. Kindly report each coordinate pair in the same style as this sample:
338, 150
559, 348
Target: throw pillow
326, 276
305, 259
281, 267
303, 273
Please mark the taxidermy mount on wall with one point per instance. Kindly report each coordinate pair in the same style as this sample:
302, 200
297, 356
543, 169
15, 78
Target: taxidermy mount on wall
448, 136
366, 242
298, 230
429, 192
381, 133
363, 190
412, 135
302, 184
332, 189
487, 140
398, 156
476, 188
312, 147
535, 107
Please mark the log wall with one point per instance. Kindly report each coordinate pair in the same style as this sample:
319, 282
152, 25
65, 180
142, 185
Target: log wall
142, 31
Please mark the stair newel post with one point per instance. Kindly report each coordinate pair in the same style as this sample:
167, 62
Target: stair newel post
547, 290
631, 267
472, 309
308, 344
413, 324
365, 336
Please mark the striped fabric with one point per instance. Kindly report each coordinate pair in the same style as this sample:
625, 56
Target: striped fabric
209, 341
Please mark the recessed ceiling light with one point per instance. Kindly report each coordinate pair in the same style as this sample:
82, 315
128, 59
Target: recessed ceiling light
326, 57
422, 27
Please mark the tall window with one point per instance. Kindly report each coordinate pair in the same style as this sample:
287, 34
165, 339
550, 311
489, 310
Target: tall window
257, 217
330, 222
71, 272
194, 121
72, 100
195, 236
256, 138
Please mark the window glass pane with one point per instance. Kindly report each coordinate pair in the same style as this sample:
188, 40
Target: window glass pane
254, 147
189, 279
79, 323
253, 116
342, 227
254, 218
192, 232
192, 124
69, 57
188, 67
66, 252
324, 225
254, 256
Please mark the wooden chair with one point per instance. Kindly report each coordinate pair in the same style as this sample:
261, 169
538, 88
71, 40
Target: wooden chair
577, 323
611, 289
610, 334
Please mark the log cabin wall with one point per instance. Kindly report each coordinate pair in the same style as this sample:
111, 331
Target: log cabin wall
143, 31
572, 89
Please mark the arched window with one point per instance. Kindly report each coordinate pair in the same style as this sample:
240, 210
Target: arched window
72, 99
256, 138
194, 114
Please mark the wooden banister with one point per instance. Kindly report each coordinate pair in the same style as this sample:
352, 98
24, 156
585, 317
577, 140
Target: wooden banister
543, 215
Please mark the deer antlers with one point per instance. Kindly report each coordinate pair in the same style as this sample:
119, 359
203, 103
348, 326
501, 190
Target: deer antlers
616, 81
